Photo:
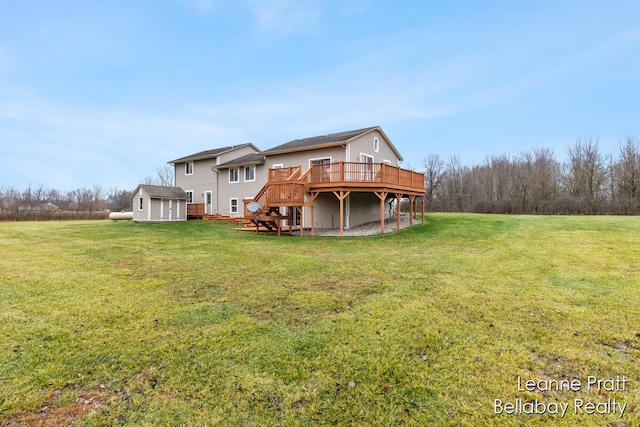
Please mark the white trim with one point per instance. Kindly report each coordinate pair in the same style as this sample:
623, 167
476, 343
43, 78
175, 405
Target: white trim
320, 158
229, 176
149, 209
376, 144
277, 166
366, 155
186, 168
254, 173
208, 209
162, 209
388, 162
231, 205
189, 192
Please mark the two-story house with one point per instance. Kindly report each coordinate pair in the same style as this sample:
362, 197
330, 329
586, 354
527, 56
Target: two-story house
198, 176
339, 180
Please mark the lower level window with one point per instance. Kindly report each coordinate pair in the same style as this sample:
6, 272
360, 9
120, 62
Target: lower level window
233, 206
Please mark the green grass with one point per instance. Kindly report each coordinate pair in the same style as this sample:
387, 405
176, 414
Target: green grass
196, 324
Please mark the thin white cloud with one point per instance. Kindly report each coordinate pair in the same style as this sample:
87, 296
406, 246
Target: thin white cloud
285, 16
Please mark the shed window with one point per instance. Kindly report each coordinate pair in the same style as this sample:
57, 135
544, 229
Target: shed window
140, 203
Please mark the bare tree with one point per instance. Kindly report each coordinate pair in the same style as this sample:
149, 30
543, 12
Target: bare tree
626, 176
166, 175
433, 171
523, 179
586, 173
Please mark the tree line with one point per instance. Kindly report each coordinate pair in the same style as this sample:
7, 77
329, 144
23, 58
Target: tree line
589, 182
535, 182
40, 203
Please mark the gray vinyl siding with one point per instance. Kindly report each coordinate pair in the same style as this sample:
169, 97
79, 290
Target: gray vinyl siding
303, 158
240, 190
205, 179
364, 144
152, 208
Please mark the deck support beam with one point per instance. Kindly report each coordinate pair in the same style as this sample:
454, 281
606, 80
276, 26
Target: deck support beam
382, 195
398, 199
412, 200
341, 195
312, 196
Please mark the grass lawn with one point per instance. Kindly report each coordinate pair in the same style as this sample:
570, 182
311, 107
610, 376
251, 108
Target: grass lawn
192, 323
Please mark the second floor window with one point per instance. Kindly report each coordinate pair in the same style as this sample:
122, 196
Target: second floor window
188, 168
249, 173
234, 175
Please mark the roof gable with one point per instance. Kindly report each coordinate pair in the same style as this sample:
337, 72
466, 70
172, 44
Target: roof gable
211, 154
317, 141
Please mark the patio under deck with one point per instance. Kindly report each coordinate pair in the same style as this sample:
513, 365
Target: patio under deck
288, 187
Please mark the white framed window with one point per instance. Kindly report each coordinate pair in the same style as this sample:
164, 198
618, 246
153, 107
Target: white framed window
365, 158
249, 173
140, 203
321, 171
233, 205
385, 161
234, 175
320, 161
189, 196
376, 144
278, 166
188, 168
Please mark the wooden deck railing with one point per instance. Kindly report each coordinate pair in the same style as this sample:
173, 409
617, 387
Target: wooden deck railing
283, 174
374, 173
289, 193
195, 209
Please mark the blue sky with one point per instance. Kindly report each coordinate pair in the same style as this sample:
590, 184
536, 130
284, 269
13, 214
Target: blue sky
105, 92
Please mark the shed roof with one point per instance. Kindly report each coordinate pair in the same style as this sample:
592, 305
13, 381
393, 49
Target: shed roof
161, 192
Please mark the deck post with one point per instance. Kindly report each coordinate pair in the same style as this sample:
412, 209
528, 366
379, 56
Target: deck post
312, 197
398, 198
341, 196
301, 216
382, 195
422, 208
412, 200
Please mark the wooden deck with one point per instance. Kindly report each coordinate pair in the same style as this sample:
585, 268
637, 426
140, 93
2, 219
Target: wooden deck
290, 187
294, 188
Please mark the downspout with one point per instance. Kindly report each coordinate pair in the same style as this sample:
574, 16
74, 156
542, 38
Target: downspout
347, 158
213, 169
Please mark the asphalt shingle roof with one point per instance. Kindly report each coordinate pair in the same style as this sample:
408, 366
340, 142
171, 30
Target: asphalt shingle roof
161, 192
321, 140
208, 154
248, 159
